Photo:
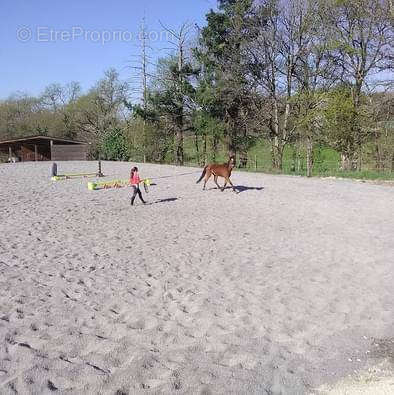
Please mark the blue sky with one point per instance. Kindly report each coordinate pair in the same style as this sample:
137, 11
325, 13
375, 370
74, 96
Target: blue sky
46, 41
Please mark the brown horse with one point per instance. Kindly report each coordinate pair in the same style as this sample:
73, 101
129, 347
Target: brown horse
217, 170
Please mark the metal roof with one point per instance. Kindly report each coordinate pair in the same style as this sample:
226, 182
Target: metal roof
29, 138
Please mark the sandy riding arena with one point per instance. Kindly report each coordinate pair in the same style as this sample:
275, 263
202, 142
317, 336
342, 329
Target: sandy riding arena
283, 288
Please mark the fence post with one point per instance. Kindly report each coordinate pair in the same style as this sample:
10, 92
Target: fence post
255, 162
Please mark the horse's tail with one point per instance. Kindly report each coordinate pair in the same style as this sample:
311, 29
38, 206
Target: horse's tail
202, 175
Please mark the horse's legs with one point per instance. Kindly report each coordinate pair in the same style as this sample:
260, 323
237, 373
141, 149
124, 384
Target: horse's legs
225, 184
215, 178
229, 181
207, 177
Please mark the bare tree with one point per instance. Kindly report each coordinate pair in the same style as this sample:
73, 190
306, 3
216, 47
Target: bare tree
273, 58
100, 110
314, 72
140, 82
61, 101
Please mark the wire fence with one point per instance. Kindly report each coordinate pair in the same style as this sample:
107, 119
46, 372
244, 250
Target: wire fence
259, 161
321, 167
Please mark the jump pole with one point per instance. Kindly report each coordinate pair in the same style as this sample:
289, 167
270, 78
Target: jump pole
94, 186
60, 177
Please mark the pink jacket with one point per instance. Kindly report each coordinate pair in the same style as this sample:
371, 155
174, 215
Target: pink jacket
135, 180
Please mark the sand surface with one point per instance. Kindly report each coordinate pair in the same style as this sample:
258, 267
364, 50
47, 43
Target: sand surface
284, 288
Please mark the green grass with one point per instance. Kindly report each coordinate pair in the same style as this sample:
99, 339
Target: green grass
360, 175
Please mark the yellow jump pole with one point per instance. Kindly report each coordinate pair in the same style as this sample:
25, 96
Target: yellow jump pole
93, 186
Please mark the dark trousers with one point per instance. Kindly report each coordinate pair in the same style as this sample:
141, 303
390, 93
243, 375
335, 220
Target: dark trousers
136, 190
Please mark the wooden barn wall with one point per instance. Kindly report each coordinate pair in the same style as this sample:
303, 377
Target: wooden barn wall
27, 152
69, 152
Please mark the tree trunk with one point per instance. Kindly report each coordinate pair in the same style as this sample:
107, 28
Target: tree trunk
243, 159
392, 162
231, 145
344, 162
294, 159
205, 149
179, 147
214, 147
309, 157
298, 158
348, 162
277, 154
359, 160
179, 137
197, 148
273, 163
379, 163
276, 148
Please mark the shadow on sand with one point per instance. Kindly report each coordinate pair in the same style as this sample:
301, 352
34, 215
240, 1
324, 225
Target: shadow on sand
243, 188
240, 188
168, 200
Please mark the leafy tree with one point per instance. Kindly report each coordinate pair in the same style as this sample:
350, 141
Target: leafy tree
360, 34
339, 125
221, 53
171, 100
114, 145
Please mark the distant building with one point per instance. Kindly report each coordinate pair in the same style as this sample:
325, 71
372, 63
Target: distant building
41, 148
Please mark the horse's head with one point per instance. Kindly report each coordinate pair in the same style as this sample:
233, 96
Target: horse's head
231, 162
